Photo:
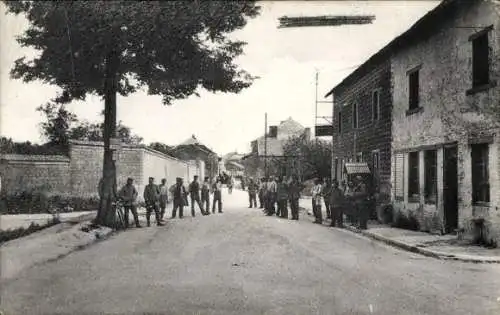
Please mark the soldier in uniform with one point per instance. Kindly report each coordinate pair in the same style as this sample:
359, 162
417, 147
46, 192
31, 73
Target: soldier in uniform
360, 195
179, 192
262, 189
194, 191
316, 201
129, 194
271, 196
327, 187
163, 197
337, 204
152, 200
217, 190
294, 189
205, 195
252, 193
282, 196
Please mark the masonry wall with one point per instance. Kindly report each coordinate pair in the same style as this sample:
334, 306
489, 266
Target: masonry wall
79, 174
451, 112
372, 134
27, 173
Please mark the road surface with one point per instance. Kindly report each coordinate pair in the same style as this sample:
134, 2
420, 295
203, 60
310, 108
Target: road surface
241, 262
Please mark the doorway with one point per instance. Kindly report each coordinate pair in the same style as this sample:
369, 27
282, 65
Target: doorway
450, 189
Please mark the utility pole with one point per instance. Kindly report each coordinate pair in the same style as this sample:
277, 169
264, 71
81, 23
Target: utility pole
265, 145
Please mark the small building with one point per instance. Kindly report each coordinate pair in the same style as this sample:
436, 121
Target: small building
193, 149
233, 164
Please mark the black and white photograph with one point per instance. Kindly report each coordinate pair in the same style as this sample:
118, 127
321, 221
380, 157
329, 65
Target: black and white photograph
198, 157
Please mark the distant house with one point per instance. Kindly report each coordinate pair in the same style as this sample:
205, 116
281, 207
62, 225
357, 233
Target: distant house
272, 146
193, 149
233, 164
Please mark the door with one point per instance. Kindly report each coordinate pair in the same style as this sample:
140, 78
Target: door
450, 185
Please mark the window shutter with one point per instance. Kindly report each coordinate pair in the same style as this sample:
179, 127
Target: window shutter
399, 176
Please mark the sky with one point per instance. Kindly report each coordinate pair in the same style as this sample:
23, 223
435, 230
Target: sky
286, 61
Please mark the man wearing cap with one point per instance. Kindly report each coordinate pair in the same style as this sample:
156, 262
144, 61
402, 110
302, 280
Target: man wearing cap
178, 192
194, 191
217, 190
205, 195
360, 195
152, 200
252, 193
163, 197
294, 189
129, 194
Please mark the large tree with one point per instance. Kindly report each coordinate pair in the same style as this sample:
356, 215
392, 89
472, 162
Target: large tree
313, 157
170, 48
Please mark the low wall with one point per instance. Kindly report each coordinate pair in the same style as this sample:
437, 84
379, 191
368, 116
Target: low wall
24, 173
78, 175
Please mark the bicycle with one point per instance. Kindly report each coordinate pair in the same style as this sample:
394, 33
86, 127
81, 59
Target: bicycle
119, 210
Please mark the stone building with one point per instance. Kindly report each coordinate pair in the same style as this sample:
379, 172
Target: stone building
446, 118
362, 122
438, 84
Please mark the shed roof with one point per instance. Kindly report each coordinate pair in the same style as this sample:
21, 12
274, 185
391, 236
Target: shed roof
357, 168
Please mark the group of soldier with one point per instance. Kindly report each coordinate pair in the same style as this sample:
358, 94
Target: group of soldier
156, 198
276, 194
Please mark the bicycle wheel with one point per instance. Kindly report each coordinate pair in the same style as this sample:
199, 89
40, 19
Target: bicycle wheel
120, 218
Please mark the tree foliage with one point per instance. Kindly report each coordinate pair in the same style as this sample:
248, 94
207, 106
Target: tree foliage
314, 157
169, 47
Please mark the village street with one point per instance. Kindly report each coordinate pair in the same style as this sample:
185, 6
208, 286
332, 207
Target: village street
241, 262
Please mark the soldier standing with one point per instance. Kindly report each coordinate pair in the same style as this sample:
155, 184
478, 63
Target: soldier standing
360, 194
163, 197
217, 189
327, 187
252, 193
262, 188
129, 194
205, 195
272, 190
282, 196
294, 190
194, 191
152, 199
179, 192
316, 201
337, 203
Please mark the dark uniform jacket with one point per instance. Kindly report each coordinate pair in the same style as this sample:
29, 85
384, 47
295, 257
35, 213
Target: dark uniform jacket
282, 191
129, 194
194, 189
294, 189
151, 193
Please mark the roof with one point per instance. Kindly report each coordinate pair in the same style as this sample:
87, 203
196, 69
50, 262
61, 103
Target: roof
193, 142
238, 165
357, 168
423, 27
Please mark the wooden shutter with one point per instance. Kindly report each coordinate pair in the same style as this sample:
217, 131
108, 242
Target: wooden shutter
399, 176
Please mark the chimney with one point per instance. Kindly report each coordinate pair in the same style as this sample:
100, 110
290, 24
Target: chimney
273, 131
307, 133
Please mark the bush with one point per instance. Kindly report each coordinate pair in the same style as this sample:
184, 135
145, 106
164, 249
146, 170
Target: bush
9, 235
407, 223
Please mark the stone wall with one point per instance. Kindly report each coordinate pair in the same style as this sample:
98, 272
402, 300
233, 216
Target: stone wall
78, 175
450, 110
24, 173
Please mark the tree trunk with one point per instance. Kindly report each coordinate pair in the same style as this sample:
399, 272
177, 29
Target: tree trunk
105, 215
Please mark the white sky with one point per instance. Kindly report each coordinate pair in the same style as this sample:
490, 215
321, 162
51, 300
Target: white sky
285, 59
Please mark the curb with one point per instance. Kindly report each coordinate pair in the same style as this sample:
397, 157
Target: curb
423, 251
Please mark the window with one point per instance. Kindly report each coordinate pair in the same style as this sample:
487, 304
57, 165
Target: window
480, 178
430, 190
375, 105
340, 122
414, 86
376, 168
355, 122
359, 157
413, 180
480, 60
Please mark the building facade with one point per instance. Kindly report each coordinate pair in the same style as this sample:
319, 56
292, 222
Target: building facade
446, 118
362, 123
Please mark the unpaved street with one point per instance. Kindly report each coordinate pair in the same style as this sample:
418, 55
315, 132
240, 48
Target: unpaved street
241, 262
